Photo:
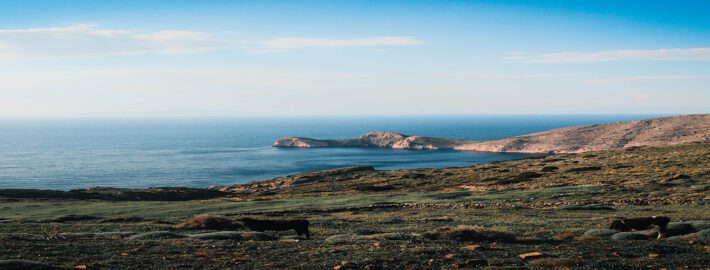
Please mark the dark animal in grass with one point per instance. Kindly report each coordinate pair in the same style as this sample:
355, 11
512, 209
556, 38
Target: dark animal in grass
207, 222
637, 224
298, 225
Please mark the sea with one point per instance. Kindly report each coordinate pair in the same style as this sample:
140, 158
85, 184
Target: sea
75, 153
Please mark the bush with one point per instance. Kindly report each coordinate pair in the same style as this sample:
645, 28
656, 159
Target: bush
469, 233
207, 222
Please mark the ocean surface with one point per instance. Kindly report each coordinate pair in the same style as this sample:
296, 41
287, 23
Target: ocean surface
78, 153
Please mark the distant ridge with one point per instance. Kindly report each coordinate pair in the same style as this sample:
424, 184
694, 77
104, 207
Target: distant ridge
650, 132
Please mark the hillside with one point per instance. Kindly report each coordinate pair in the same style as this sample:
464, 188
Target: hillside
651, 132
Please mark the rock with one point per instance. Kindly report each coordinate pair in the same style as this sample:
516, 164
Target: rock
629, 236
449, 256
531, 255
699, 225
701, 236
25, 265
156, 235
600, 233
679, 228
588, 207
233, 235
565, 236
470, 247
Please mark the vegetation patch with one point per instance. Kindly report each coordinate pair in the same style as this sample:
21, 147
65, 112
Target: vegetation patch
469, 233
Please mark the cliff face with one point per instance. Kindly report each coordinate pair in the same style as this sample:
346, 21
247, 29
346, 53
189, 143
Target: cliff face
651, 132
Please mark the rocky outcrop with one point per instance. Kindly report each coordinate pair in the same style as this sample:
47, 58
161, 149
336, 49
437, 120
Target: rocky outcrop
650, 132
379, 139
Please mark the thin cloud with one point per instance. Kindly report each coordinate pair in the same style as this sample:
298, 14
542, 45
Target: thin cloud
681, 54
648, 78
90, 40
302, 42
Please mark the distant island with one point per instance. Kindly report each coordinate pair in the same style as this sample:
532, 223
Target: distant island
650, 132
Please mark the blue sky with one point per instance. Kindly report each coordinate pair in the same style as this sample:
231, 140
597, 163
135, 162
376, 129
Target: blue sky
247, 58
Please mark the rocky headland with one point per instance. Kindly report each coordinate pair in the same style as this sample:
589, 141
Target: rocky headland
650, 132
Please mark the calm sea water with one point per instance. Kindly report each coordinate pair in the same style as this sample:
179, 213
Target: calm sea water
78, 153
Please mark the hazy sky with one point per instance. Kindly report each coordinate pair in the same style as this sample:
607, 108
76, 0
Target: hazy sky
234, 58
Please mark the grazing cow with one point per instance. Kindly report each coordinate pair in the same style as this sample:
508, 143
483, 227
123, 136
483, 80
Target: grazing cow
298, 225
634, 224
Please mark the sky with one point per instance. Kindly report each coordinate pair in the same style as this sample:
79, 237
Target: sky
356, 58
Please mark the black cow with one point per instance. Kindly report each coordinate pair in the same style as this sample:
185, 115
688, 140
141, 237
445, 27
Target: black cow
298, 225
634, 224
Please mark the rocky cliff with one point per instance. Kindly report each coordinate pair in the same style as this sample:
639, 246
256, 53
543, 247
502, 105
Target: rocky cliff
650, 132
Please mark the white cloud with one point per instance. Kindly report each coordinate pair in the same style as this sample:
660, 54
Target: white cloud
682, 54
484, 76
89, 40
649, 78
301, 42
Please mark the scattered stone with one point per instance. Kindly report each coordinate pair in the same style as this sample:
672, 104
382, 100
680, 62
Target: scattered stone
588, 207
156, 235
629, 236
25, 265
531, 255
449, 256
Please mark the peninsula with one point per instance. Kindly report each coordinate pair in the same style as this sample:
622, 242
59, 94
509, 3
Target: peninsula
650, 132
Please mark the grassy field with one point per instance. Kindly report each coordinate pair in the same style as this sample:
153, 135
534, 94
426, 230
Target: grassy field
395, 224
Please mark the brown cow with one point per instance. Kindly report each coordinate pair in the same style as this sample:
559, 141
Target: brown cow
645, 223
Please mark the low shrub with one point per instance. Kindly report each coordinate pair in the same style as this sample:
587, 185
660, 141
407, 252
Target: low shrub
469, 233
207, 222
